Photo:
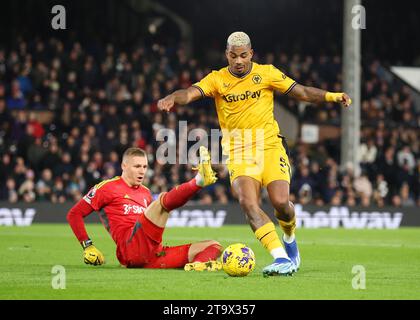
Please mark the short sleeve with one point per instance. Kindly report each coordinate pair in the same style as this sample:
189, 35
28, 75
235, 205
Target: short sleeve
96, 198
279, 81
207, 85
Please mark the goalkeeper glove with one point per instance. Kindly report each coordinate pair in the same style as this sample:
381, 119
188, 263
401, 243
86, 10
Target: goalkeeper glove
91, 255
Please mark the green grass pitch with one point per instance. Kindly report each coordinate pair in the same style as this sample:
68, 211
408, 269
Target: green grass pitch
391, 259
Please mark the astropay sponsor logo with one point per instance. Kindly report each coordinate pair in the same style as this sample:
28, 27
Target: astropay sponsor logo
347, 218
242, 96
16, 216
196, 218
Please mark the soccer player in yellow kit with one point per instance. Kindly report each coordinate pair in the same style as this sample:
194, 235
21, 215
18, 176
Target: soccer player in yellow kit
258, 155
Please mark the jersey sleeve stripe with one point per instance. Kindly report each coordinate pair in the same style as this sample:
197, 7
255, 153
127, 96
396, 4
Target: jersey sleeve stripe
201, 90
290, 88
101, 184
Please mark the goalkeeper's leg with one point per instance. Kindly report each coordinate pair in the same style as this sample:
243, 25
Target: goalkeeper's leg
199, 256
158, 211
203, 256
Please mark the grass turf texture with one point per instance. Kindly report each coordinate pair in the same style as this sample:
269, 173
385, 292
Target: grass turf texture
391, 259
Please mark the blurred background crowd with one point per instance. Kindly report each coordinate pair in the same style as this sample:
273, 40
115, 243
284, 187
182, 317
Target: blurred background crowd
101, 100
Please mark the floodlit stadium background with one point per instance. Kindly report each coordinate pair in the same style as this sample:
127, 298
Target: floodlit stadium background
72, 100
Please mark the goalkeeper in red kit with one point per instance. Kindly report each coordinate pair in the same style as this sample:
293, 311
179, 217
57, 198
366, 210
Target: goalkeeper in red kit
136, 223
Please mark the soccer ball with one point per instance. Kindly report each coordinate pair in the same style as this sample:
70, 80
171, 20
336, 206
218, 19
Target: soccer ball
238, 260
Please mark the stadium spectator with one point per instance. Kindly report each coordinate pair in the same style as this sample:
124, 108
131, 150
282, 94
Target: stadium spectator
8, 191
406, 158
35, 154
6, 167
26, 190
16, 99
406, 198
363, 186
381, 189
44, 185
368, 153
349, 198
303, 182
396, 201
58, 193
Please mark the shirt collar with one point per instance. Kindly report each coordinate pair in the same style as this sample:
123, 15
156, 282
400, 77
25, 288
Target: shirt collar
244, 75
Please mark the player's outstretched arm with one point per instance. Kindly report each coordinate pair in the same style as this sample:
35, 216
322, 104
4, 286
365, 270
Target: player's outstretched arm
315, 95
181, 97
91, 255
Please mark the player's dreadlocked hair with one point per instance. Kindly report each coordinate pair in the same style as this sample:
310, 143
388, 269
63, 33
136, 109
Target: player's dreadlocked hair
130, 152
238, 39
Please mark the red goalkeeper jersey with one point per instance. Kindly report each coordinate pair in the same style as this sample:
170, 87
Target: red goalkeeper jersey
121, 205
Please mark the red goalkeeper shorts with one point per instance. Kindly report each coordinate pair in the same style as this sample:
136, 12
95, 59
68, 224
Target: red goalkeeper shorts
143, 248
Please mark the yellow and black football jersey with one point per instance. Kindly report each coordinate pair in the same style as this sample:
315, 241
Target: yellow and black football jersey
245, 104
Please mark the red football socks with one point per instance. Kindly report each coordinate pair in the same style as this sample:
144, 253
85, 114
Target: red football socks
179, 195
210, 253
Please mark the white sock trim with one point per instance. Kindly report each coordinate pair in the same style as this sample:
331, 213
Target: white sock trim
199, 181
288, 239
279, 253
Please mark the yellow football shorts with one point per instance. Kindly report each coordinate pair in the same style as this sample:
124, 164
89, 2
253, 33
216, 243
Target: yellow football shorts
265, 166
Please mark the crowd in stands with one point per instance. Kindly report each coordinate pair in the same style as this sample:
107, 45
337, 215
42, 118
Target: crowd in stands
101, 100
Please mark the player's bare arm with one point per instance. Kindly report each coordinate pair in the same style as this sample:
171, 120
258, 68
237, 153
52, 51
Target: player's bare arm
181, 97
315, 95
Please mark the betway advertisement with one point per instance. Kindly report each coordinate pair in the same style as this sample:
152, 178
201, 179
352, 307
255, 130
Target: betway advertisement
218, 215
